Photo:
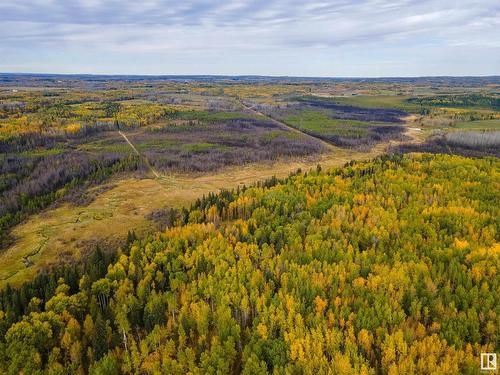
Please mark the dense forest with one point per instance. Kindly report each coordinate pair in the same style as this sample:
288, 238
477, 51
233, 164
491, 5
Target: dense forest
384, 266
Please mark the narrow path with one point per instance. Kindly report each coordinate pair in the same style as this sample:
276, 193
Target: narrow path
128, 141
151, 168
288, 127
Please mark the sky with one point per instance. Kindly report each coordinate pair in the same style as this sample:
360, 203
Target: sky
336, 38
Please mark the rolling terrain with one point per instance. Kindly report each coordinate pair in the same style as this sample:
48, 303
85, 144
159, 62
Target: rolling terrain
250, 224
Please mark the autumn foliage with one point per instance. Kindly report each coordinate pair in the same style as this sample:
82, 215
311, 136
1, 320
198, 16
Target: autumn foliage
388, 266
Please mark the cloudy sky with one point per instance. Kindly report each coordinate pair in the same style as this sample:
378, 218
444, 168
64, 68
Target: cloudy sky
266, 37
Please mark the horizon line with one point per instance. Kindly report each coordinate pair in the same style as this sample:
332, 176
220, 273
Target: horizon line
241, 75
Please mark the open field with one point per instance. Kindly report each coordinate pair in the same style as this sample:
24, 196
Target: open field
472, 111
341, 125
479, 124
376, 101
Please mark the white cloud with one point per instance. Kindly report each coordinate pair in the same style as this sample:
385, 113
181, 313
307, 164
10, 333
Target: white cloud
263, 30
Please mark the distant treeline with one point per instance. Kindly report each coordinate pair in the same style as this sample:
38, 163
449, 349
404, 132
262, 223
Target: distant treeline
459, 101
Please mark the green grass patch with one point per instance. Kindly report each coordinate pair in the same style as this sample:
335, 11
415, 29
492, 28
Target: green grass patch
42, 152
156, 143
282, 134
479, 124
319, 123
201, 147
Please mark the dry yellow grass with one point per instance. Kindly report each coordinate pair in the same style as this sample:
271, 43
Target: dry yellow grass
63, 233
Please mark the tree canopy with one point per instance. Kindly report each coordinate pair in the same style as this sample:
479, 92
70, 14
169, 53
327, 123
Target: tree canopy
385, 266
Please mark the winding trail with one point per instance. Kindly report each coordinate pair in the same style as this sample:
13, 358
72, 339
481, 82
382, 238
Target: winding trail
146, 161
